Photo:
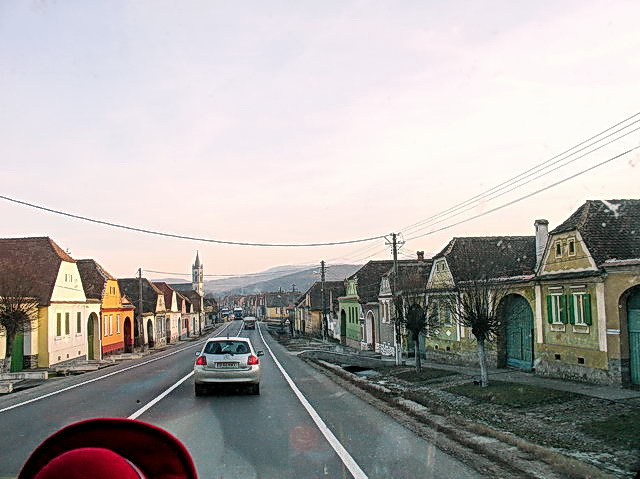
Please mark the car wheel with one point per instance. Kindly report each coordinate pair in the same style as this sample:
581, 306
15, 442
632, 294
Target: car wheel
255, 389
200, 389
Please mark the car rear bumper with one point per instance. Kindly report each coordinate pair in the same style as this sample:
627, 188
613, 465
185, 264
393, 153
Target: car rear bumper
204, 376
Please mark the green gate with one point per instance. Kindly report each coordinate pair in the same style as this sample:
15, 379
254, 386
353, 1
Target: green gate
17, 355
90, 333
633, 320
519, 333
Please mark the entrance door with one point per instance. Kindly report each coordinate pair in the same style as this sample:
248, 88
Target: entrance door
633, 320
343, 327
90, 334
519, 331
168, 329
150, 333
127, 336
17, 355
179, 328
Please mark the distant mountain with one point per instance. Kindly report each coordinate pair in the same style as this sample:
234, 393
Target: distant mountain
302, 279
220, 286
170, 280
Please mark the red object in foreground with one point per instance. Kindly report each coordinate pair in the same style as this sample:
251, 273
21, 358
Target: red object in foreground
110, 448
202, 360
252, 360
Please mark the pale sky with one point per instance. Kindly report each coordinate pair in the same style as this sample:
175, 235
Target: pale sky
299, 121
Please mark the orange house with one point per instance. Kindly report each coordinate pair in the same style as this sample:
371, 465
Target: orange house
116, 311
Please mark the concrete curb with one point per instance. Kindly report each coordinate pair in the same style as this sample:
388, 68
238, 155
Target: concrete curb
455, 427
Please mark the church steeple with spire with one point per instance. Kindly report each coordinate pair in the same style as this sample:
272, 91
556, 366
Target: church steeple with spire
197, 275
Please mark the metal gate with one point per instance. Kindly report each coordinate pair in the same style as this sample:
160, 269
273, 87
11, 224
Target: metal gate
633, 320
519, 329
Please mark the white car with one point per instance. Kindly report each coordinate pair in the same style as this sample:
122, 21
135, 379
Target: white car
227, 360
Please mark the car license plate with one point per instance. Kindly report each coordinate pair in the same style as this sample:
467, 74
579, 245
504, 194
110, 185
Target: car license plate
227, 365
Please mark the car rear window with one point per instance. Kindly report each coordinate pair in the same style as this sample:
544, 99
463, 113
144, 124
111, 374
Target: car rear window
227, 347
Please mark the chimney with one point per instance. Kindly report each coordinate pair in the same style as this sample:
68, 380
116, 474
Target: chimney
542, 234
420, 255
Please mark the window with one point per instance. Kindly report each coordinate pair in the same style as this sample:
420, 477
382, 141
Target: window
66, 323
78, 322
118, 323
558, 249
105, 319
556, 309
572, 247
580, 309
59, 324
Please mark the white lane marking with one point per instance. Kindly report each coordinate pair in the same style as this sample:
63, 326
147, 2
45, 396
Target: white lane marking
44, 396
153, 402
162, 395
346, 458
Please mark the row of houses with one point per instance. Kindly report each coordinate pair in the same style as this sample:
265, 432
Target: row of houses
83, 312
571, 308
268, 305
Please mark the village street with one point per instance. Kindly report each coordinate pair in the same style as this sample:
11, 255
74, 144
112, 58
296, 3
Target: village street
231, 434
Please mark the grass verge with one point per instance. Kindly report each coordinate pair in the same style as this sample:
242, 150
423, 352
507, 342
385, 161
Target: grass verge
426, 374
620, 430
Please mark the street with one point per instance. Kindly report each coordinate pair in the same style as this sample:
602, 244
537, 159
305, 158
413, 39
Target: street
320, 430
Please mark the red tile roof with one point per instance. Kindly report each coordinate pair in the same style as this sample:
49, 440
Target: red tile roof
36, 260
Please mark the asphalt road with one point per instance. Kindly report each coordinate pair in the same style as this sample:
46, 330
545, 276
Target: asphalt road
230, 433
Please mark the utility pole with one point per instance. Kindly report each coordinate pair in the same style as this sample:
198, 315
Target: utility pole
324, 309
141, 322
396, 325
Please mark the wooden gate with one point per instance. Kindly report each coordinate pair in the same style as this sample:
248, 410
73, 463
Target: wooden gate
17, 355
519, 333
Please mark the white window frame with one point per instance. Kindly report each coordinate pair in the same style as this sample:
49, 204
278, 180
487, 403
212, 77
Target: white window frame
105, 322
110, 324
571, 241
79, 316
556, 319
117, 324
578, 308
555, 245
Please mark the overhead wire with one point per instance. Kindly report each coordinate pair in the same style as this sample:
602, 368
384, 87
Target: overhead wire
533, 170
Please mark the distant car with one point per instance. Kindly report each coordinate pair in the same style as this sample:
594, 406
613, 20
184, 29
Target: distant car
227, 361
250, 322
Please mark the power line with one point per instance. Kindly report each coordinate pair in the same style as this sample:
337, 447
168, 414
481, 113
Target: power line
191, 238
448, 216
533, 170
527, 195
227, 275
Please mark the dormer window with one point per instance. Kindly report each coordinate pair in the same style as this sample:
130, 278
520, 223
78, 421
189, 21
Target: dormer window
558, 249
571, 247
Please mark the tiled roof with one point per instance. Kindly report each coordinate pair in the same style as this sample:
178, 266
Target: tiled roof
610, 228
369, 277
193, 297
130, 288
182, 286
490, 256
94, 278
412, 275
332, 289
281, 299
168, 295
36, 260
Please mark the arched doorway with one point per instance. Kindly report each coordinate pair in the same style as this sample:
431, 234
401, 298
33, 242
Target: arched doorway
150, 333
179, 328
93, 337
128, 339
137, 340
186, 325
168, 329
518, 320
371, 330
633, 325
343, 326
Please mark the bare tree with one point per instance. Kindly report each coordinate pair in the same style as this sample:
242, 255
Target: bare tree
475, 304
411, 313
18, 309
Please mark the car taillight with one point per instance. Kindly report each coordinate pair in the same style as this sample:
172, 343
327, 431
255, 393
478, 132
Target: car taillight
202, 360
252, 360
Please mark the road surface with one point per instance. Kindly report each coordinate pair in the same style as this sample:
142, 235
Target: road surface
302, 425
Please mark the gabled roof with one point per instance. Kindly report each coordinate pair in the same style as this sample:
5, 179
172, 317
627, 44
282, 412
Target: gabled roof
194, 297
479, 257
332, 289
36, 260
412, 275
168, 294
609, 228
369, 277
182, 286
94, 278
130, 288
281, 299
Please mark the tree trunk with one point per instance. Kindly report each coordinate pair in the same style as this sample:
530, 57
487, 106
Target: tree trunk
397, 345
416, 344
482, 356
6, 368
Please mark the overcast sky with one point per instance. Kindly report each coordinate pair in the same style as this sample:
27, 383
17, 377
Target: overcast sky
302, 121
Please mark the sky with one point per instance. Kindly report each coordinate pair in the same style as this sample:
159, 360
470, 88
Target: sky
300, 121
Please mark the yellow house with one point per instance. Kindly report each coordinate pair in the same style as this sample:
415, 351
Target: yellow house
116, 312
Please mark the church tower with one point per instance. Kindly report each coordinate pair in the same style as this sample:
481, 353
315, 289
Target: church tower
197, 276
